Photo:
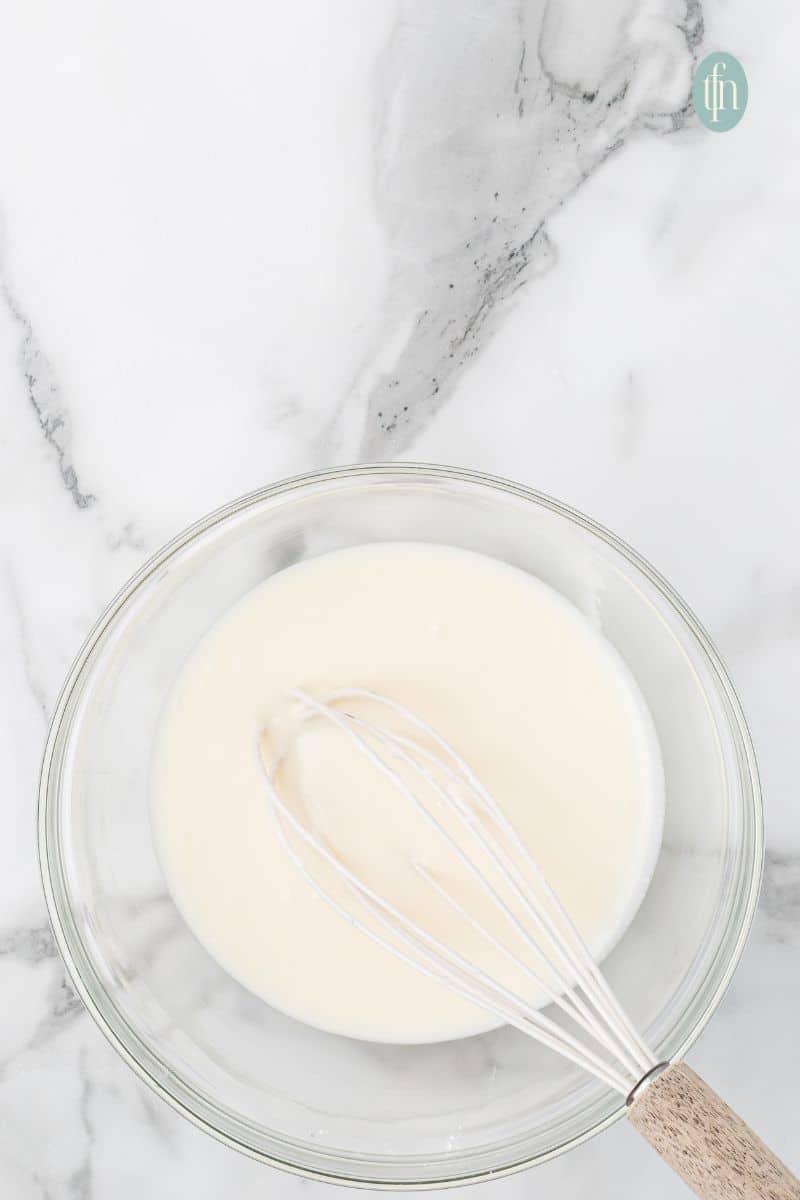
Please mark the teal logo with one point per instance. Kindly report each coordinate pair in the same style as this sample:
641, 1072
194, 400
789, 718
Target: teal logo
719, 92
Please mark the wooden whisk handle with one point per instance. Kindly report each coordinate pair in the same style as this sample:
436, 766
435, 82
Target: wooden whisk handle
705, 1142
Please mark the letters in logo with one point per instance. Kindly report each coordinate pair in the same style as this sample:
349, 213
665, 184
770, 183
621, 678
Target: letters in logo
719, 92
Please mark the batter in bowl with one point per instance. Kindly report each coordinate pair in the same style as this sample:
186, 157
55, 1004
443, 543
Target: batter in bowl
537, 701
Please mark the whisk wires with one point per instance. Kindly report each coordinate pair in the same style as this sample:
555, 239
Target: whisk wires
555, 957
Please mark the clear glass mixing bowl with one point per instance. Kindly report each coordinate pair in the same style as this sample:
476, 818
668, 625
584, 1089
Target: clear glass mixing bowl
316, 1103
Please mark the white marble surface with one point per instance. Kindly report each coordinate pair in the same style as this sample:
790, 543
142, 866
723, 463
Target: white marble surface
477, 231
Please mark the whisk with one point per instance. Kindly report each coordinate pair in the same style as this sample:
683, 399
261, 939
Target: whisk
693, 1130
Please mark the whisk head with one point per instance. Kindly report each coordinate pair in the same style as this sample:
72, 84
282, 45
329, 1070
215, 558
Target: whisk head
532, 950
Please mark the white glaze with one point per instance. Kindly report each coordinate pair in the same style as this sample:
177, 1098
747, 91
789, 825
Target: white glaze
515, 678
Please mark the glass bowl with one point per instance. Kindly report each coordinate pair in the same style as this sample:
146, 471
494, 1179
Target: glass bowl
311, 1102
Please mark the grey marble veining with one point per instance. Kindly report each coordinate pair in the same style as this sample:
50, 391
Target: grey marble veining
780, 897
512, 123
43, 397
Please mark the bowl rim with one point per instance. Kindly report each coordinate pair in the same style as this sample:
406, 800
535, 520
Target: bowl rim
366, 472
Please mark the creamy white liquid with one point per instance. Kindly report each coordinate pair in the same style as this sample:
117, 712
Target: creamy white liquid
538, 703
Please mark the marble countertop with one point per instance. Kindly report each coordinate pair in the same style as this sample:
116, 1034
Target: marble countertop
487, 232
